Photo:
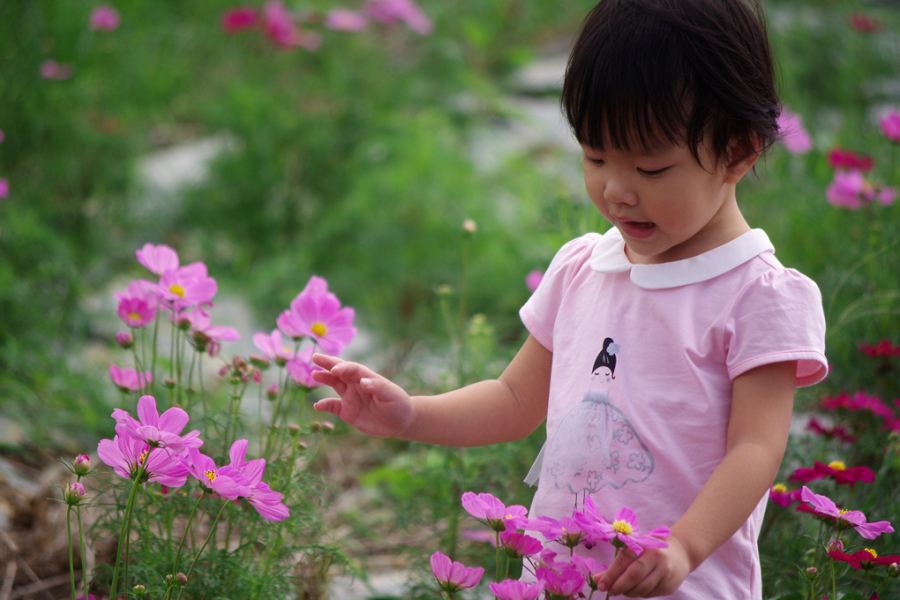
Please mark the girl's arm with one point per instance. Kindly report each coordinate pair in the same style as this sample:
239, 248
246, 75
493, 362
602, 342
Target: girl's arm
487, 412
761, 406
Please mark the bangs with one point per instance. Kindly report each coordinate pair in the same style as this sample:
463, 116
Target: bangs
632, 85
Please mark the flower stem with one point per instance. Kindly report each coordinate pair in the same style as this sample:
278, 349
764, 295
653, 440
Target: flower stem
71, 556
81, 543
126, 528
184, 535
212, 532
497, 538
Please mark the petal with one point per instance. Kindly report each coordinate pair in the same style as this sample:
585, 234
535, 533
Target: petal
147, 412
440, 566
174, 420
238, 452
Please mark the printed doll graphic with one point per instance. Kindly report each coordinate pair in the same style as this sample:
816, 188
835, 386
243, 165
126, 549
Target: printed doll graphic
595, 444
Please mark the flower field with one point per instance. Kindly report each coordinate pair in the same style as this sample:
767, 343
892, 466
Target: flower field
351, 212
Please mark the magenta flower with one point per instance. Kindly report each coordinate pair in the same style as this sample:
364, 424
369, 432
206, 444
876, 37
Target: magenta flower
82, 464
136, 312
317, 313
865, 559
623, 531
158, 259
846, 189
566, 531
780, 495
454, 576
126, 455
129, 380
836, 470
533, 279
4, 187
479, 535
564, 584
224, 481
273, 347
187, 286
890, 125
845, 518
301, 368
203, 333
513, 589
839, 158
391, 12
266, 502
499, 516
859, 401
518, 545
589, 568
105, 18
73, 493
160, 431
239, 19
863, 23
341, 19
793, 135
50, 69
838, 431
279, 26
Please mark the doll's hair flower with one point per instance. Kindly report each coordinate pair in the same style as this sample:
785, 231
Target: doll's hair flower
317, 313
864, 559
129, 380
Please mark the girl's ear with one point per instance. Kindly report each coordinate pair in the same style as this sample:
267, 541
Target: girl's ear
741, 160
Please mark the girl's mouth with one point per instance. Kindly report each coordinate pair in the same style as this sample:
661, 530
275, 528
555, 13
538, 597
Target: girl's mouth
638, 229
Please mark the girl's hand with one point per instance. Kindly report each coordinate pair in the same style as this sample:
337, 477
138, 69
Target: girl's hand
367, 400
658, 572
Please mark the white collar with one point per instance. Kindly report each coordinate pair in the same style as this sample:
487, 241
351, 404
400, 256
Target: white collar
609, 256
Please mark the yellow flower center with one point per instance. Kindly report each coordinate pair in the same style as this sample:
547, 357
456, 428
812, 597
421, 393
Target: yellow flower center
837, 465
843, 511
211, 475
143, 457
622, 527
177, 290
872, 552
780, 488
319, 329
134, 316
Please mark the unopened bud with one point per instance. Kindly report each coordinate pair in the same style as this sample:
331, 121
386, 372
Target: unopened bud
327, 427
469, 226
835, 546
183, 323
82, 465
893, 569
444, 290
182, 579
73, 494
274, 427
223, 371
316, 426
236, 380
295, 429
260, 362
125, 340
201, 340
170, 383
138, 590
257, 376
272, 392
812, 573
169, 579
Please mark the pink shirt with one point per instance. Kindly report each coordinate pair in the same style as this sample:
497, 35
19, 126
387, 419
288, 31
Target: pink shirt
640, 390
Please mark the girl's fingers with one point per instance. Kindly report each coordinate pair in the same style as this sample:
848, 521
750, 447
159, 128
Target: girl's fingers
325, 377
332, 405
325, 361
352, 372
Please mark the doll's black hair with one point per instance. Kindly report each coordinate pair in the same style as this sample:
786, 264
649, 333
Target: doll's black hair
650, 74
605, 359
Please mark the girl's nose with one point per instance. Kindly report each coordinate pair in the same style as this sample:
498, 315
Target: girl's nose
618, 191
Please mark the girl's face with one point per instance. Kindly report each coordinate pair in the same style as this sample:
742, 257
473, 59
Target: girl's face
666, 206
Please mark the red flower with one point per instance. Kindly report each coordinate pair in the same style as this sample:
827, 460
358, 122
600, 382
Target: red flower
838, 431
882, 348
841, 474
838, 158
865, 559
863, 23
859, 401
238, 19
780, 495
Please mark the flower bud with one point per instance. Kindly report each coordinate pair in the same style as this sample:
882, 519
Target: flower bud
73, 493
445, 290
893, 569
272, 392
236, 380
812, 573
215, 346
835, 546
139, 590
183, 323
82, 465
223, 371
295, 429
201, 341
327, 427
469, 226
316, 426
169, 579
260, 362
125, 340
170, 383
182, 579
257, 376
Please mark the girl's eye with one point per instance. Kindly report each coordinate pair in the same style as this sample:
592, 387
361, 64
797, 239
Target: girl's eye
596, 161
653, 173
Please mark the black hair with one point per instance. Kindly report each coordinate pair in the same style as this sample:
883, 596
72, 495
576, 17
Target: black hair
657, 73
605, 359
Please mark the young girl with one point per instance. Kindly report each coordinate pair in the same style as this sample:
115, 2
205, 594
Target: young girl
664, 354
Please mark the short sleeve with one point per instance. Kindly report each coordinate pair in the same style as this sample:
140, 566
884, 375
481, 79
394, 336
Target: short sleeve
778, 317
539, 313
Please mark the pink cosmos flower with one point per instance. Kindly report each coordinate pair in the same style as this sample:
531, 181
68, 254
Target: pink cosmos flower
273, 347
533, 280
836, 470
279, 26
518, 545
883, 348
479, 535
513, 589
839, 158
317, 313
126, 455
793, 135
1, 136
341, 19
301, 367
82, 464
187, 286
239, 19
454, 576
846, 189
623, 531
50, 69
395, 11
105, 18
780, 495
852, 518
499, 516
566, 531
565, 583
158, 259
225, 481
589, 568
136, 312
161, 431
266, 502
129, 380
203, 333
864, 559
890, 125
4, 187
